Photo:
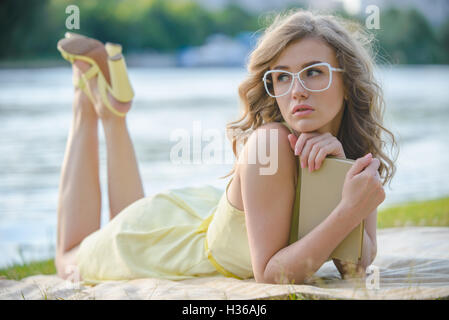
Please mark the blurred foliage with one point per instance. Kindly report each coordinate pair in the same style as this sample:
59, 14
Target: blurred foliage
233, 19
31, 28
407, 37
444, 41
27, 28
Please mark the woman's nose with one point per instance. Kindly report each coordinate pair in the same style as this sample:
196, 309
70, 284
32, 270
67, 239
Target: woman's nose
298, 89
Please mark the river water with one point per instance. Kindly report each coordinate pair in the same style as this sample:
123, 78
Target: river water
35, 117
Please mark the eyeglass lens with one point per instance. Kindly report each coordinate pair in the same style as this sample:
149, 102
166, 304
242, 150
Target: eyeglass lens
314, 78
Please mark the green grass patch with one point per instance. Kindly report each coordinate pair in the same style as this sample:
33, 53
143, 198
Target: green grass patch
419, 213
19, 271
424, 213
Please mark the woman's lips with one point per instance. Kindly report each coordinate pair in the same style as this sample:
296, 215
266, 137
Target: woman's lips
302, 113
302, 110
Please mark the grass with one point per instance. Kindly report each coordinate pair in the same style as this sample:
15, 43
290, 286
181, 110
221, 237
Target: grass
20, 271
424, 213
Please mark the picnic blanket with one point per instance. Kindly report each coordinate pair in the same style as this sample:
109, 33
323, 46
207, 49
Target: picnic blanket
411, 263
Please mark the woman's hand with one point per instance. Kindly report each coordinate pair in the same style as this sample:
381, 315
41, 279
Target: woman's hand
362, 190
314, 147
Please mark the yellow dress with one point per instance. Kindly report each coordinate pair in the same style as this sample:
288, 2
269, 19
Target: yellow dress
175, 234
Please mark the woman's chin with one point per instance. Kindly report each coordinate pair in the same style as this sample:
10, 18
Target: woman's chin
303, 126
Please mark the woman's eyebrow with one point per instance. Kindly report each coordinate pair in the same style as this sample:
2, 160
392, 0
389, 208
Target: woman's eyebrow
281, 67
303, 66
310, 63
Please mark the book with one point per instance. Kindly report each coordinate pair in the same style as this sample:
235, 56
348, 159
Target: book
320, 193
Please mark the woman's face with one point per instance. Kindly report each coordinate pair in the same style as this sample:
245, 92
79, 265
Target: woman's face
327, 105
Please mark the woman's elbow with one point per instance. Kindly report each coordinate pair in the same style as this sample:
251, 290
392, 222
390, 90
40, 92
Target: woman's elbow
262, 276
266, 280
270, 276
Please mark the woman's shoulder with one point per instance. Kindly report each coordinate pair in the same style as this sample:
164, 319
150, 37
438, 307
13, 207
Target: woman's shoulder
268, 151
269, 133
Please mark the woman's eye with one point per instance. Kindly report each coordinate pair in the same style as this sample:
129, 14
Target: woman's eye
313, 72
283, 77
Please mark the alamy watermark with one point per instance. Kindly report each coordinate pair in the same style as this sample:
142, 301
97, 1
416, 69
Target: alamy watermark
372, 21
372, 281
189, 148
73, 20
74, 277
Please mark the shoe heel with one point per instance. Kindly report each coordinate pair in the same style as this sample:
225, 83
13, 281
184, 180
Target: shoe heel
120, 85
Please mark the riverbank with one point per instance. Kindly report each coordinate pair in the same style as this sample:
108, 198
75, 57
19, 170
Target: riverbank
424, 213
144, 59
51, 62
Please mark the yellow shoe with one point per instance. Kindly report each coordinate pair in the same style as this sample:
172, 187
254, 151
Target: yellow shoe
107, 62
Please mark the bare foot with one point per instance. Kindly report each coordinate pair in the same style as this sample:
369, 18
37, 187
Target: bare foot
98, 106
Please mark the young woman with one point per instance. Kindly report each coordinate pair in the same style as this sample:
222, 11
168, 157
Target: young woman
311, 81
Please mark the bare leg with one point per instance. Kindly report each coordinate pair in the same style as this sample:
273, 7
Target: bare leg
124, 182
79, 203
79, 208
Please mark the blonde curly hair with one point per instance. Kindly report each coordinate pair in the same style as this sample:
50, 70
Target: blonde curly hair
362, 127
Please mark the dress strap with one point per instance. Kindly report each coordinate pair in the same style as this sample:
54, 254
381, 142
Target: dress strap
295, 214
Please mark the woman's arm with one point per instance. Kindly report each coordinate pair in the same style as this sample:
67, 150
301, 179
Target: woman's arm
300, 260
267, 199
362, 194
369, 250
312, 148
268, 202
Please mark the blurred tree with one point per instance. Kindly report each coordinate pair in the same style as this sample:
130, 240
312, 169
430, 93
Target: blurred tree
444, 40
156, 24
407, 37
193, 23
233, 19
31, 28
25, 27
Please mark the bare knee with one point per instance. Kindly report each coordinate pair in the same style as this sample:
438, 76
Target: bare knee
66, 265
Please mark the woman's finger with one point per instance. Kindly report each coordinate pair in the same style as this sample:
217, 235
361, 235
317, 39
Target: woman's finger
292, 140
359, 165
377, 174
324, 152
302, 140
307, 148
372, 168
317, 147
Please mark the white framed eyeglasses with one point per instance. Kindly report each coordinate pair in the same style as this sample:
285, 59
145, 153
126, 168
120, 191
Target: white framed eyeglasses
314, 78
